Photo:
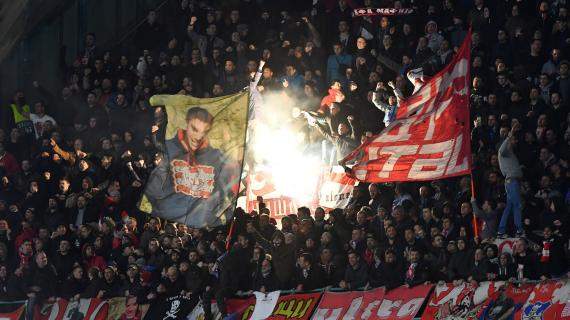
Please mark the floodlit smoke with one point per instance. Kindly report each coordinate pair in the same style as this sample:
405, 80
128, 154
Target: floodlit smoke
280, 148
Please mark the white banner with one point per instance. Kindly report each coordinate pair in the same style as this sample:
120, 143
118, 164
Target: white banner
336, 187
264, 304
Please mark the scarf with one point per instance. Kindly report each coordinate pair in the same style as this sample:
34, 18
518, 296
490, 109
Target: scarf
411, 271
545, 258
24, 259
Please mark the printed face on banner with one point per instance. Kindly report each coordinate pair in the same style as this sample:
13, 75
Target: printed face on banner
196, 179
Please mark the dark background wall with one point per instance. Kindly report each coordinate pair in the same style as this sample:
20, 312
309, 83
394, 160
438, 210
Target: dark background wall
50, 32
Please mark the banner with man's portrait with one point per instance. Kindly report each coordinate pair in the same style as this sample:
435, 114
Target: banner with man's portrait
200, 145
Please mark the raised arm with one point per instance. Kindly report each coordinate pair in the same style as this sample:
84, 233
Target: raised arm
397, 92
325, 134
158, 135
195, 36
505, 148
351, 124
377, 101
67, 156
316, 36
476, 210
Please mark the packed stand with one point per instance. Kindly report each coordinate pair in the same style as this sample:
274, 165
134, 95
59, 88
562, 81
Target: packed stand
74, 163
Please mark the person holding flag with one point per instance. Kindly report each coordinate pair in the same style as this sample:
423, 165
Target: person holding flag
391, 107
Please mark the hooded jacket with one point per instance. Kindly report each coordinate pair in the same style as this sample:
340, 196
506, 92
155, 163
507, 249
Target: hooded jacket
174, 200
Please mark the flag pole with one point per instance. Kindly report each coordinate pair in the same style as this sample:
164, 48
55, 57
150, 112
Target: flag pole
475, 224
232, 225
230, 234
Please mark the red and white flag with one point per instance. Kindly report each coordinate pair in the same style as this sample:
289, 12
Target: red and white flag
429, 139
335, 188
14, 315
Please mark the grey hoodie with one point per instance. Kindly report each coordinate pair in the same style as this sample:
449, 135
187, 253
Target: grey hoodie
508, 162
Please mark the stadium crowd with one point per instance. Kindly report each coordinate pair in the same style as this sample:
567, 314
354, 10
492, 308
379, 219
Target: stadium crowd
74, 163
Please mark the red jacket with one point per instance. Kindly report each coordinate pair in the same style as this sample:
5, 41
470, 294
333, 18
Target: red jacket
9, 163
329, 99
95, 261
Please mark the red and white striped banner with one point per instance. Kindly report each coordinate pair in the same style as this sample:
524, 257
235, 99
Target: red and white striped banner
335, 187
429, 139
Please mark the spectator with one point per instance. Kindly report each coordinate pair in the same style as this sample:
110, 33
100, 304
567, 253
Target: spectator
308, 277
338, 62
356, 275
488, 216
416, 270
510, 168
8, 162
72, 171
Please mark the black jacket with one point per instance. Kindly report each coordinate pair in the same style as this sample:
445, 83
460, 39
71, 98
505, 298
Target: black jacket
331, 274
72, 286
419, 275
356, 278
555, 264
63, 265
506, 272
268, 281
530, 265
459, 265
173, 287
283, 259
111, 289
390, 275
43, 279
313, 280
479, 270
196, 279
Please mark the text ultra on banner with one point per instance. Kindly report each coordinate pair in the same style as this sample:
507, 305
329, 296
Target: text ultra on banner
429, 139
401, 304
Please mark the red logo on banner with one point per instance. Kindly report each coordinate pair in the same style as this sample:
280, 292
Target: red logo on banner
195, 181
429, 139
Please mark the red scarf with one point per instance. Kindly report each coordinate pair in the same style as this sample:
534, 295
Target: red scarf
24, 259
411, 271
545, 251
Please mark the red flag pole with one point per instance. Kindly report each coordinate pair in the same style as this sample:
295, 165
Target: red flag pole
230, 234
475, 223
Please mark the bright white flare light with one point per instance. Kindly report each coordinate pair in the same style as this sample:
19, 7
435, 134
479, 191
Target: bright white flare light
280, 150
